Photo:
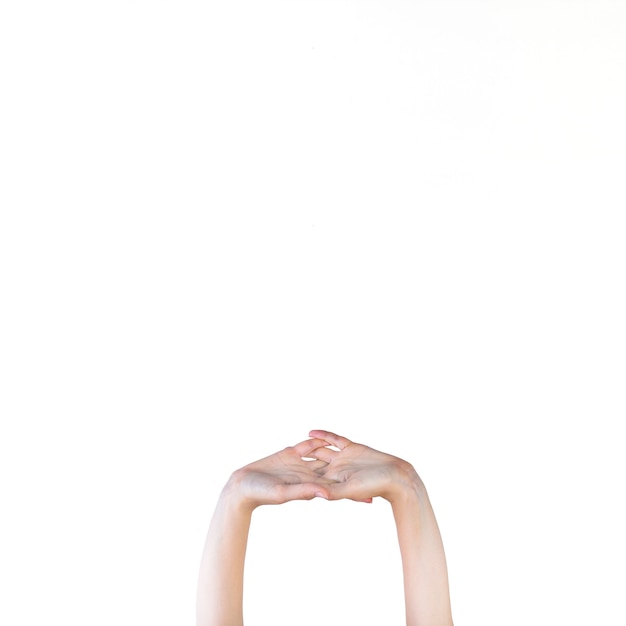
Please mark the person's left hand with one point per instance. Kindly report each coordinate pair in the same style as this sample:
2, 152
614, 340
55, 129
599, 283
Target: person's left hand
281, 477
361, 473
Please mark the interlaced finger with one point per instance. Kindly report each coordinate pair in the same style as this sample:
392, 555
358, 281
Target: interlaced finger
316, 465
304, 448
323, 454
332, 438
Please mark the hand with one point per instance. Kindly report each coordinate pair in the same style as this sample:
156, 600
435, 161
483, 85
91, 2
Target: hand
282, 477
359, 472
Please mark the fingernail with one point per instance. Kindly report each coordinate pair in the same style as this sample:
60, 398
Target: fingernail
319, 494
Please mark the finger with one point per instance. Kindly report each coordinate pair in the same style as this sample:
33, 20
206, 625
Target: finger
348, 491
304, 448
303, 491
320, 479
332, 438
316, 466
323, 454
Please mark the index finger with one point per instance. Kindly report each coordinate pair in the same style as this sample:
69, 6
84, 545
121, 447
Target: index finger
306, 447
332, 438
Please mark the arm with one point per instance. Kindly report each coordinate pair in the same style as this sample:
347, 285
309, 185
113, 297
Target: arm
278, 478
426, 590
362, 473
220, 582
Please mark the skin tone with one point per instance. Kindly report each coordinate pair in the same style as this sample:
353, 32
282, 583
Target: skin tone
353, 471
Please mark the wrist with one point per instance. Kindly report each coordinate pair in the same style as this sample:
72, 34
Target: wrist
407, 485
233, 496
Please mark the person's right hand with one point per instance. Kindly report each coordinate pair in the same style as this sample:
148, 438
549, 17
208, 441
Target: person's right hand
359, 472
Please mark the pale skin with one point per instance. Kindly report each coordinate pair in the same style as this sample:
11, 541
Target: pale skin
352, 471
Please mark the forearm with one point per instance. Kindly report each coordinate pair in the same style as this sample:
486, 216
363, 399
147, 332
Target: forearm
426, 589
220, 581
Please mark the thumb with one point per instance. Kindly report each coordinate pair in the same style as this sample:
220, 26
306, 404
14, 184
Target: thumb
304, 491
349, 491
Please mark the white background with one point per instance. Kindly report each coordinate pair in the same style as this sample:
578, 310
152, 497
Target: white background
226, 223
